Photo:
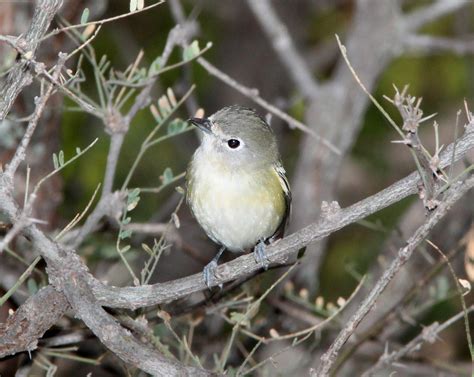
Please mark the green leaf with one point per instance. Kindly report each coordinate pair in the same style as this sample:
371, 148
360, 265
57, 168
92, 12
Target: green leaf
155, 66
133, 5
133, 198
176, 126
132, 204
78, 150
55, 161
85, 16
141, 73
239, 318
191, 51
135, 193
126, 233
126, 220
167, 176
61, 158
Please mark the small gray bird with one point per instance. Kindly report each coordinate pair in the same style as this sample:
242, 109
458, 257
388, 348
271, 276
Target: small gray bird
236, 185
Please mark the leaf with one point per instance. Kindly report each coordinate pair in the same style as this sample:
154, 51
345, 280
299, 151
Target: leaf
155, 66
156, 114
78, 150
126, 220
191, 51
125, 249
132, 205
164, 105
55, 161
88, 31
147, 249
176, 126
85, 16
239, 318
331, 308
126, 233
134, 193
466, 286
141, 73
319, 303
273, 333
341, 301
133, 198
167, 176
133, 5
171, 97
165, 316
140, 4
61, 158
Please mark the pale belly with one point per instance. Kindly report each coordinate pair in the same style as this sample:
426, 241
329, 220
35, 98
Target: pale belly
236, 211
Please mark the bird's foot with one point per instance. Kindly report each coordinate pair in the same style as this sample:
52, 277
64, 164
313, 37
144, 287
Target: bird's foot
260, 255
209, 271
209, 274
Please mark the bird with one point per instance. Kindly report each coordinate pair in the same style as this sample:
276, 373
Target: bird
236, 186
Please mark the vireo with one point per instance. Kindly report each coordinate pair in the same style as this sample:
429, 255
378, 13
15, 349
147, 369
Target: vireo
236, 185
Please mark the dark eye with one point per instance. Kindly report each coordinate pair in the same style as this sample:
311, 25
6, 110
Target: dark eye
233, 143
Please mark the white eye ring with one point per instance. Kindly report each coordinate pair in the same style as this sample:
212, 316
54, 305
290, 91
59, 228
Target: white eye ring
234, 143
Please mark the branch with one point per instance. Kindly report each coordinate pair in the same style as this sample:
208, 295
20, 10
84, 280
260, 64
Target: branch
280, 251
68, 274
118, 125
404, 254
23, 328
20, 152
432, 12
119, 340
253, 94
283, 45
426, 44
19, 76
428, 334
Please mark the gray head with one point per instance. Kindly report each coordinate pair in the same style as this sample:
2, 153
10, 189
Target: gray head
239, 136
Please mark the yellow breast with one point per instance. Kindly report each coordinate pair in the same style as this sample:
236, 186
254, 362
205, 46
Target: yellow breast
236, 209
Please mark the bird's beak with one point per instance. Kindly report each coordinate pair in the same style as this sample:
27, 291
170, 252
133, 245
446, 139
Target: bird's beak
204, 124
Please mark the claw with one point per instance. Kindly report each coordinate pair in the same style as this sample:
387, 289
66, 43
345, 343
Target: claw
260, 256
209, 273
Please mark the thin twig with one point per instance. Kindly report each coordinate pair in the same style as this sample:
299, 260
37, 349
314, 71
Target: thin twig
20, 76
432, 12
20, 153
330, 356
428, 334
283, 45
100, 22
427, 44
253, 94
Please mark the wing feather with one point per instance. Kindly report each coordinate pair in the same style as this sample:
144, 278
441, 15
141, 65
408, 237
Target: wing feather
280, 170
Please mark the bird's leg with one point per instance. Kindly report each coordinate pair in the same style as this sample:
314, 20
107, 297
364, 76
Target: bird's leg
210, 269
260, 256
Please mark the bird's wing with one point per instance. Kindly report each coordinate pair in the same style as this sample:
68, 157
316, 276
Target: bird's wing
280, 170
